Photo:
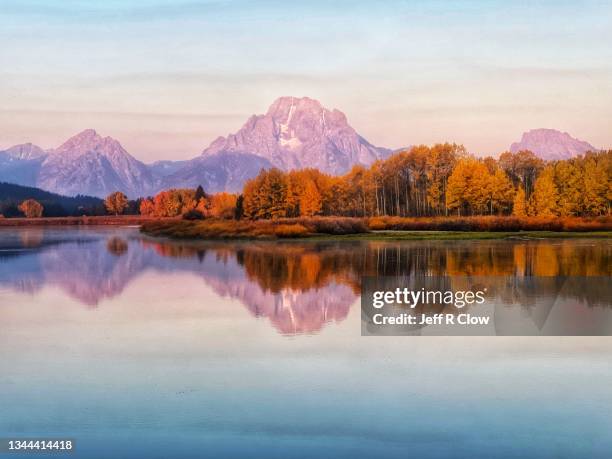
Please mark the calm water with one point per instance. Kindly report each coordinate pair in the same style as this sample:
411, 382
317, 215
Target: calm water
141, 348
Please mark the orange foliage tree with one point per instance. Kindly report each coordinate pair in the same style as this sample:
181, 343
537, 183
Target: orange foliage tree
116, 203
31, 208
223, 205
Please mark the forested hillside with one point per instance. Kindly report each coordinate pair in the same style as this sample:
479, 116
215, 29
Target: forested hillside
54, 205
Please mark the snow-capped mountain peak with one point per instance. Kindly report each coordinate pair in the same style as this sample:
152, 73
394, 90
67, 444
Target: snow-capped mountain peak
299, 132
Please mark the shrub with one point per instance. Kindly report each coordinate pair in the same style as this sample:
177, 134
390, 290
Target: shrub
295, 230
490, 223
193, 215
329, 225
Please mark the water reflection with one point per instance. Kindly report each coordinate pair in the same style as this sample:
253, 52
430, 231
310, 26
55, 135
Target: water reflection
298, 286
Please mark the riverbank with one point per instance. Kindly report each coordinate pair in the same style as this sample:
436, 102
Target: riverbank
345, 228
466, 235
115, 220
355, 228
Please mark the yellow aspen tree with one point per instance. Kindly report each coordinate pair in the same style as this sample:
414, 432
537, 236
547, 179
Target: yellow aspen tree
502, 191
310, 201
519, 206
457, 186
596, 195
545, 197
569, 178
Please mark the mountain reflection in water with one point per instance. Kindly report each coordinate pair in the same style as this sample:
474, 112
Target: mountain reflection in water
298, 286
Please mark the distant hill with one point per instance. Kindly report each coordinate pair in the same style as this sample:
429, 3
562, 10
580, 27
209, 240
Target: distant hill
55, 205
550, 144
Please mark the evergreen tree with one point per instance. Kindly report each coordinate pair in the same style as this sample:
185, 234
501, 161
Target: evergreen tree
199, 193
239, 212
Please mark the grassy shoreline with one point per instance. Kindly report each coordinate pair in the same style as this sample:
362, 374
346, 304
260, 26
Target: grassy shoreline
341, 228
349, 229
466, 235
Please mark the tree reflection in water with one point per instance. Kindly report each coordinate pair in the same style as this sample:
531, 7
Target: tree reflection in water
298, 286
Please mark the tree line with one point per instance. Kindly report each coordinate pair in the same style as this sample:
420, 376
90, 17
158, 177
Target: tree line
441, 180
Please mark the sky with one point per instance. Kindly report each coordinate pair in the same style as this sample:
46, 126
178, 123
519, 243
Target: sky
166, 78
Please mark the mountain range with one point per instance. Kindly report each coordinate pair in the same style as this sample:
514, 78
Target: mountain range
294, 133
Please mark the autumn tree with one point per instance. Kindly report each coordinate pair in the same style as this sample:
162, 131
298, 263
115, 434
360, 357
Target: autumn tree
223, 205
441, 163
31, 208
501, 191
469, 187
116, 202
147, 207
355, 192
522, 168
597, 195
174, 202
310, 200
265, 196
519, 206
569, 180
295, 189
544, 199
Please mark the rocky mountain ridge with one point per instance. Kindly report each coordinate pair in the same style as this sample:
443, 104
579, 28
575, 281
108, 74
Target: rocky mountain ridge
294, 133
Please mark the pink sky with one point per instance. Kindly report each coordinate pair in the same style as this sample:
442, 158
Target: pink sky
167, 81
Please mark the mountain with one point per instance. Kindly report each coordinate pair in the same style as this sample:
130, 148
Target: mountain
90, 164
20, 171
295, 133
21, 164
25, 151
86, 164
224, 171
550, 144
164, 168
298, 133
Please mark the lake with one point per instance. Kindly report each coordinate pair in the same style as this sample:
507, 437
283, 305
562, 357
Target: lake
135, 347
